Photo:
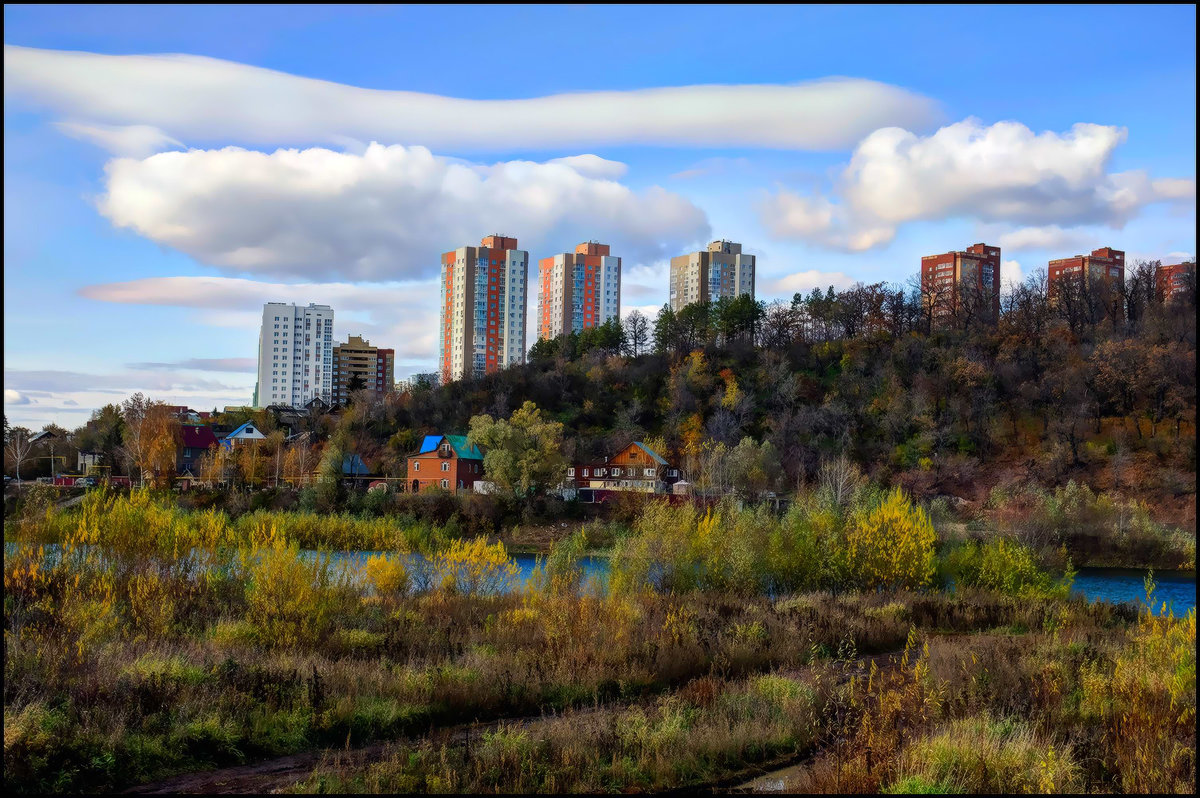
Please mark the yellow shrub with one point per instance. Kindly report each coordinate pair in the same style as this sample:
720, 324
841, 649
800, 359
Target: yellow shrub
288, 599
474, 567
387, 575
891, 545
151, 604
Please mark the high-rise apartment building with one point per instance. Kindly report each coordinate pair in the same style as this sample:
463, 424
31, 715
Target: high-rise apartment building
484, 292
953, 279
357, 358
1105, 265
295, 354
578, 290
1171, 281
720, 271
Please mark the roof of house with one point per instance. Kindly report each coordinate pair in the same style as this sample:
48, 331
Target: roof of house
243, 432
653, 454
457, 442
197, 437
352, 464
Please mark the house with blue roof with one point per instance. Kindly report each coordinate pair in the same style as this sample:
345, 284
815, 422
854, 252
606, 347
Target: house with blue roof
246, 433
447, 462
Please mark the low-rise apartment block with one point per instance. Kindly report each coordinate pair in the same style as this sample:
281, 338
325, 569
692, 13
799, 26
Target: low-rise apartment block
952, 279
356, 358
1171, 281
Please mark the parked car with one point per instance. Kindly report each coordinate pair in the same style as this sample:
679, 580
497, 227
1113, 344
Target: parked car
85, 482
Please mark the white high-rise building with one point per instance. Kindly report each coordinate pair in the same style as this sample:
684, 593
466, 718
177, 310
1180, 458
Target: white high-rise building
482, 324
295, 355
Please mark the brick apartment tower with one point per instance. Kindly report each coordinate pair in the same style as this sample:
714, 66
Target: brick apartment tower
944, 276
484, 293
1106, 264
578, 290
357, 358
1171, 280
720, 271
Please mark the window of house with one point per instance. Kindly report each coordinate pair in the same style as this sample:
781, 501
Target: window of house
417, 466
445, 466
445, 483
570, 472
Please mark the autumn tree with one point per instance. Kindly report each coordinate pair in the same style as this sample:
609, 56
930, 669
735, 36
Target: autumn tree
159, 438
754, 468
523, 455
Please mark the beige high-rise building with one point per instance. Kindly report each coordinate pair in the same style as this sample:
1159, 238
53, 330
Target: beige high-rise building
357, 358
720, 271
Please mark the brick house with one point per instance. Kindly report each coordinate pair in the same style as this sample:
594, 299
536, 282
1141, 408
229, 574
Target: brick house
637, 467
447, 462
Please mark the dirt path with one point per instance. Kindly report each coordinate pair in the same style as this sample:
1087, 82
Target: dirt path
277, 774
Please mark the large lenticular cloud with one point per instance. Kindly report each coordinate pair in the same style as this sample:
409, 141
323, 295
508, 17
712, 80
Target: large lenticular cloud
194, 98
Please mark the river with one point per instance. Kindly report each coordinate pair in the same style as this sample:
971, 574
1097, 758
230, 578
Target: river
1176, 588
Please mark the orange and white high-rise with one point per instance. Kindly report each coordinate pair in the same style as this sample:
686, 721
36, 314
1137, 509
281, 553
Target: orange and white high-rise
578, 290
484, 292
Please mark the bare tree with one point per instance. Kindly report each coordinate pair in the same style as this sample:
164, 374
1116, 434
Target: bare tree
17, 446
840, 479
637, 333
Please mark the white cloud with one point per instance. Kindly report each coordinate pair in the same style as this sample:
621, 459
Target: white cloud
711, 166
805, 281
1010, 273
206, 99
1002, 173
134, 141
385, 214
1048, 237
400, 316
594, 166
227, 364
12, 397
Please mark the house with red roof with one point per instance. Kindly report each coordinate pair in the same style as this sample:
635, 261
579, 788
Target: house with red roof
194, 440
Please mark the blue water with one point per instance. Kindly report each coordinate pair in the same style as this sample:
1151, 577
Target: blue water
1177, 589
1117, 585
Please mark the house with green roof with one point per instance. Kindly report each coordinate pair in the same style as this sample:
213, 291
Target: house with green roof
447, 462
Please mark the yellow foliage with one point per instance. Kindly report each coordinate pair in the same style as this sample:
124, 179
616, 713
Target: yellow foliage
891, 545
474, 567
289, 599
387, 575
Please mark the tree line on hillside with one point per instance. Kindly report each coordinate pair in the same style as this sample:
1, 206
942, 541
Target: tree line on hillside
758, 395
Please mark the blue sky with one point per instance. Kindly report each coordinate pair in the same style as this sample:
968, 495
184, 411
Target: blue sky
138, 243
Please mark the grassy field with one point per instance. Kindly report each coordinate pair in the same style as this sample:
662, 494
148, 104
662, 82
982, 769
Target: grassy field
152, 640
